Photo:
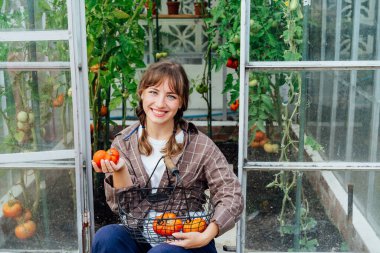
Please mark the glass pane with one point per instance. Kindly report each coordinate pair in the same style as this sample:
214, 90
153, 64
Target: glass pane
325, 224
341, 123
39, 209
334, 30
33, 15
34, 51
36, 111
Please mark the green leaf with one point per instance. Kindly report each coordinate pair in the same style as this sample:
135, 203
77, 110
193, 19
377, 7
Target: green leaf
119, 14
115, 103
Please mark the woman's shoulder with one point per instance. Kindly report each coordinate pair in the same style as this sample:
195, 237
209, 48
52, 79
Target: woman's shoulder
127, 132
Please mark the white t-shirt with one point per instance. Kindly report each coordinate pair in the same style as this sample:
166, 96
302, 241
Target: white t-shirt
150, 162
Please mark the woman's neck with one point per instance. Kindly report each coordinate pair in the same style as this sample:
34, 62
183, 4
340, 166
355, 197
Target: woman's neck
159, 132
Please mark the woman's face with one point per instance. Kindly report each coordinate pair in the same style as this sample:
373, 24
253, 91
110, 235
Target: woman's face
160, 104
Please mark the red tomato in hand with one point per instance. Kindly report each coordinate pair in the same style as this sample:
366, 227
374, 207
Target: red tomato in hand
12, 208
167, 224
194, 225
111, 155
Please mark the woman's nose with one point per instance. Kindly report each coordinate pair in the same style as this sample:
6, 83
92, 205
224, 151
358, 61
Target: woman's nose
160, 101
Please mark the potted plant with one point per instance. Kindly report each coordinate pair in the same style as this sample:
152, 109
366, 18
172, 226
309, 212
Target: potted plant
200, 7
173, 7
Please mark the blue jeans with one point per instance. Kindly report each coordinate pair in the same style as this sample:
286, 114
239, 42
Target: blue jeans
115, 238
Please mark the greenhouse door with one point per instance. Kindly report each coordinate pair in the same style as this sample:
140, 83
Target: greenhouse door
45, 189
309, 148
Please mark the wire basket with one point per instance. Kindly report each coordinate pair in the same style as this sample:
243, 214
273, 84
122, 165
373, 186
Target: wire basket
153, 214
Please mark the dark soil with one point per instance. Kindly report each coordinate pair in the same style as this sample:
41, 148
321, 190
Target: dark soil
263, 207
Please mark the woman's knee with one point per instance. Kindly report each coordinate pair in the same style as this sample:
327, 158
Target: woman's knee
108, 233
167, 248
112, 238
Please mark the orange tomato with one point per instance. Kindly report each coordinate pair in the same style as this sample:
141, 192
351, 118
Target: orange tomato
260, 135
12, 208
58, 101
111, 155
194, 225
167, 224
98, 156
263, 141
235, 105
103, 111
255, 144
25, 216
95, 68
25, 230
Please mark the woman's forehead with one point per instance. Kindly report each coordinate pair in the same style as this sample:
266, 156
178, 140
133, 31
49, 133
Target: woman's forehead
166, 84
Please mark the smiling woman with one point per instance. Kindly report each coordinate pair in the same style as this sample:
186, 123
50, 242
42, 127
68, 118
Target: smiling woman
162, 141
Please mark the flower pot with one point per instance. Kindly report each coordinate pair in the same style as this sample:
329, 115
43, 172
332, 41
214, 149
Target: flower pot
200, 9
173, 8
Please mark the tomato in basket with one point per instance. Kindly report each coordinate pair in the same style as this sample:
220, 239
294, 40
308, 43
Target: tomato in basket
167, 224
194, 225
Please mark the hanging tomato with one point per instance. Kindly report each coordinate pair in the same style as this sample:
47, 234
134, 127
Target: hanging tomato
235, 105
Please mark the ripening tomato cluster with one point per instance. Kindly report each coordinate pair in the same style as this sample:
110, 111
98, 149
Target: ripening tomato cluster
261, 140
168, 223
232, 63
26, 227
111, 155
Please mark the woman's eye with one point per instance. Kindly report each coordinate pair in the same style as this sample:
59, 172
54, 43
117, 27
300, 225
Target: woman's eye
171, 97
153, 92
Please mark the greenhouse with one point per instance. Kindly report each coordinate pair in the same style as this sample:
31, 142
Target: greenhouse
288, 90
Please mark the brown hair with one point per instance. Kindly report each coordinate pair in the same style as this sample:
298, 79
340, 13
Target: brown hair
156, 74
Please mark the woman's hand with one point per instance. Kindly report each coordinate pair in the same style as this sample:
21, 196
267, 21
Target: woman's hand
121, 176
192, 240
109, 166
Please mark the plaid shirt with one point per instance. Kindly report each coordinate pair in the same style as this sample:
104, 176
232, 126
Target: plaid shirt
201, 166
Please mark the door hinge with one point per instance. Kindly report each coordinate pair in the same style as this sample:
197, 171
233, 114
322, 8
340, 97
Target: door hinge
85, 219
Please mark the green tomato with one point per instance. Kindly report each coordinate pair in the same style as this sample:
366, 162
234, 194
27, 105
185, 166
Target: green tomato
22, 116
253, 83
158, 55
236, 39
201, 88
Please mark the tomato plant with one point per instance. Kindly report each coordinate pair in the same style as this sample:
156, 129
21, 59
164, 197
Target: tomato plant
25, 230
115, 53
111, 155
167, 224
194, 225
12, 208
